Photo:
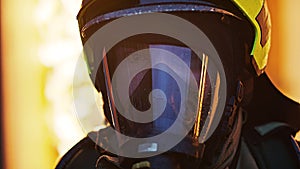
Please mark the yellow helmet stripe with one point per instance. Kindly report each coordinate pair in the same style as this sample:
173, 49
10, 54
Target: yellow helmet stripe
253, 8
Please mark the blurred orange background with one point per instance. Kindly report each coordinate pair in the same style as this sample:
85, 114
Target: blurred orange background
40, 42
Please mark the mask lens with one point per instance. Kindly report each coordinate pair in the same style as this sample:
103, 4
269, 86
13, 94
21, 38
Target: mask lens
153, 87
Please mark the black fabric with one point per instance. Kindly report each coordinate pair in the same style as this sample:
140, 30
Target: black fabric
273, 150
268, 104
83, 155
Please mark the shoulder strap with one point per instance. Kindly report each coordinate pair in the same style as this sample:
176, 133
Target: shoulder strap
272, 146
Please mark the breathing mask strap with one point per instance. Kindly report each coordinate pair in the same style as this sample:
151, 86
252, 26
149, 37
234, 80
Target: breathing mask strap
231, 144
234, 113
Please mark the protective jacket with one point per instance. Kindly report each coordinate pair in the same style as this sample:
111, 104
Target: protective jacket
269, 146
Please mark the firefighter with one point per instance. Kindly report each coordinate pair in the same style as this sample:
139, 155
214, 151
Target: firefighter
176, 77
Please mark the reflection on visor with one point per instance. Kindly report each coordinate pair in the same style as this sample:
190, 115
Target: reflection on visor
152, 86
200, 97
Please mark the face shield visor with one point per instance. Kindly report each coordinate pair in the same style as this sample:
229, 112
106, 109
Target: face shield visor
164, 93
152, 86
157, 86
